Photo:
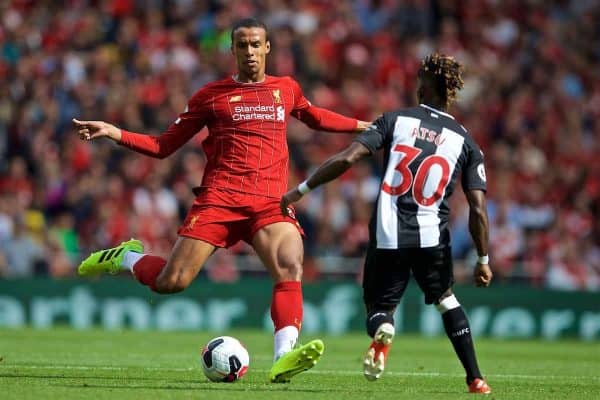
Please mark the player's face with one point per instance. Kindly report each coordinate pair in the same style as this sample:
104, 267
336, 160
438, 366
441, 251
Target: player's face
250, 48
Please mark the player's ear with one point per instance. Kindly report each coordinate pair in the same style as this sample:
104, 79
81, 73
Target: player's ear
268, 46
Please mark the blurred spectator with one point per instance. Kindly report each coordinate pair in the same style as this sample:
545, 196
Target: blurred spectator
363, 184
506, 242
531, 99
63, 234
355, 237
567, 271
23, 256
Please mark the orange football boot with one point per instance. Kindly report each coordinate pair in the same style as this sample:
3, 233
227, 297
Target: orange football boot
479, 386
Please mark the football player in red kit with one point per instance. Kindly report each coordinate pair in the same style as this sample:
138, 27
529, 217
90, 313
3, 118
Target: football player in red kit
245, 177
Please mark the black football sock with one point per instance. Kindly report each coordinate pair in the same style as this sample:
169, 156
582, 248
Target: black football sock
459, 332
376, 318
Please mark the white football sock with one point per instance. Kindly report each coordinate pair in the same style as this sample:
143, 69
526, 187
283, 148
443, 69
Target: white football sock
284, 340
130, 258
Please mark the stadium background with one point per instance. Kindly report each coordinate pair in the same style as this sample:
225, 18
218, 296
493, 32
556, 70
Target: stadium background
531, 100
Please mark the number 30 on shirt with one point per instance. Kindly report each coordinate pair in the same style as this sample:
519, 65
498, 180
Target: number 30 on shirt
407, 155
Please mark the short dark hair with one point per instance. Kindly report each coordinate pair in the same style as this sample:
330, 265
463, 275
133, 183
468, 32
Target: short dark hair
444, 74
249, 23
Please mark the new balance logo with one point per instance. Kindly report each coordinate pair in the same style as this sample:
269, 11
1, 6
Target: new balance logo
178, 120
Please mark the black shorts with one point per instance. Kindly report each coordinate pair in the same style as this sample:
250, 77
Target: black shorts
387, 272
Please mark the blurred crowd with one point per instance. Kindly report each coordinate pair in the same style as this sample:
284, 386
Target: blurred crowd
531, 100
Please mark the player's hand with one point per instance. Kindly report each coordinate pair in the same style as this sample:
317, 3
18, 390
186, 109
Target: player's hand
292, 196
89, 130
362, 126
482, 275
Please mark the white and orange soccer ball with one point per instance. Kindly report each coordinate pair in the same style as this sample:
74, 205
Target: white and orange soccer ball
224, 359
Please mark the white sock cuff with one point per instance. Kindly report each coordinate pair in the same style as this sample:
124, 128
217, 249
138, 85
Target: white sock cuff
448, 304
289, 330
284, 340
130, 258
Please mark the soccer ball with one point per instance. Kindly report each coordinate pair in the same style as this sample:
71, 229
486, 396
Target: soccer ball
224, 359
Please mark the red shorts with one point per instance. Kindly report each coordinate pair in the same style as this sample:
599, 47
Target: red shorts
224, 217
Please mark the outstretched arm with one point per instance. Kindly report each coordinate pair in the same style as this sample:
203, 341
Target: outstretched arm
479, 229
323, 119
154, 146
328, 171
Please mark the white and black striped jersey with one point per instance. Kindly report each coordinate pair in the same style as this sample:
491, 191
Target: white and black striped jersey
425, 151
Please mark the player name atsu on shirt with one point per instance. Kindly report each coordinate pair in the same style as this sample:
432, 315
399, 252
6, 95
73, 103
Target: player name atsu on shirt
428, 135
267, 113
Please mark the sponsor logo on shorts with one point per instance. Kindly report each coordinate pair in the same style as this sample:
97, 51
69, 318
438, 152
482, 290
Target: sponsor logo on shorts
191, 222
291, 212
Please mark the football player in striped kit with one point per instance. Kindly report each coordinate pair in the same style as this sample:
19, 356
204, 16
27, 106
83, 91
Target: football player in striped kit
426, 151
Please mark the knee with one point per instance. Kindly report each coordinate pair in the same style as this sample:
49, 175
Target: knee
171, 284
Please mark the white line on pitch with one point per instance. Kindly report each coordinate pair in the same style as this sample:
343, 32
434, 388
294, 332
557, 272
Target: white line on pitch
317, 371
93, 367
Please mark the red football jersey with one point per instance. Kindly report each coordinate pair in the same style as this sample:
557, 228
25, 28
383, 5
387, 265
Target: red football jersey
246, 146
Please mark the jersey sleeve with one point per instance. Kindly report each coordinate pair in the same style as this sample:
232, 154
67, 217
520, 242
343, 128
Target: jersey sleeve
473, 174
300, 101
189, 122
376, 135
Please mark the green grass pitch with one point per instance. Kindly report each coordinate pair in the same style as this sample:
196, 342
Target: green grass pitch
68, 364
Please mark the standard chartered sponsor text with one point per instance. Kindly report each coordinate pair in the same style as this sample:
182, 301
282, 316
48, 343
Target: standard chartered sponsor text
260, 112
